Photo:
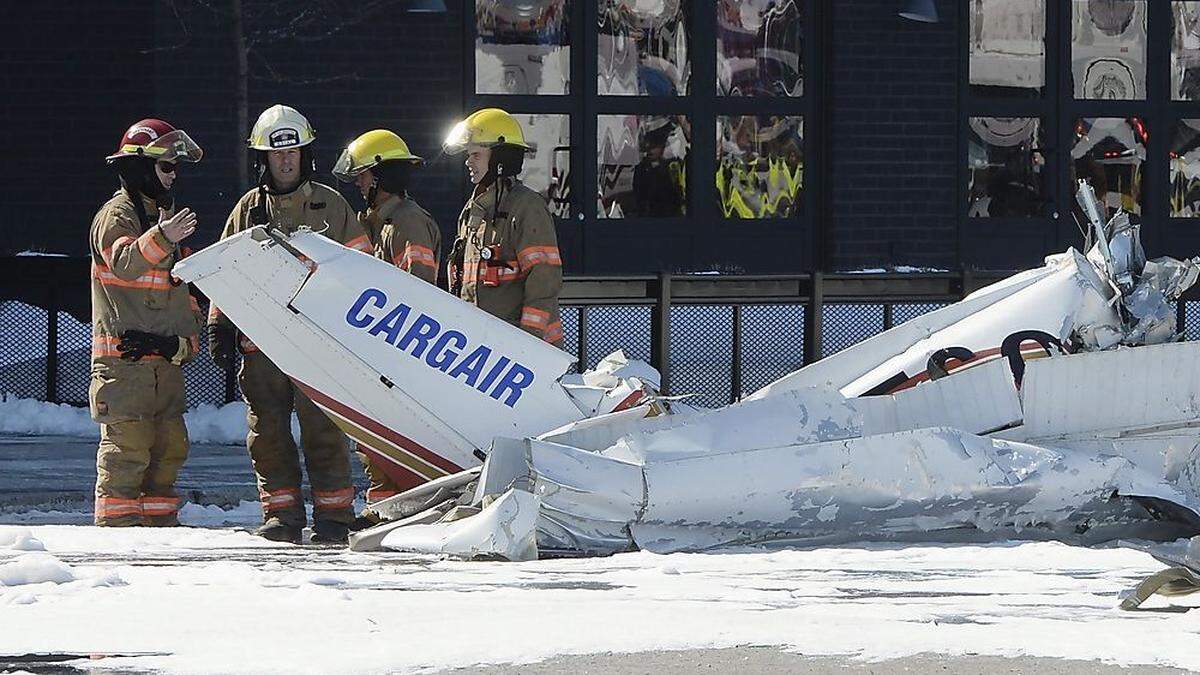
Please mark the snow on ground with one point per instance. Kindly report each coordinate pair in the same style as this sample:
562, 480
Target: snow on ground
206, 423
204, 600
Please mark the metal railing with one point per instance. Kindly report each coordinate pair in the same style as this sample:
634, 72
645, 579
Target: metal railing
718, 337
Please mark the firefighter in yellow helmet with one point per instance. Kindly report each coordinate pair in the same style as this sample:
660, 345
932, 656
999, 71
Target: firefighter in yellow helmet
286, 199
404, 234
144, 326
505, 258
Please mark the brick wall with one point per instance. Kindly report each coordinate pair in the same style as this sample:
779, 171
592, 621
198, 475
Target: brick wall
894, 125
72, 79
68, 67
87, 73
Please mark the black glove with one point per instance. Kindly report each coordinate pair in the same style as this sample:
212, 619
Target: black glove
222, 345
136, 344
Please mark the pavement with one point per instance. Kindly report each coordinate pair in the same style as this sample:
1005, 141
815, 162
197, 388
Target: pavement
58, 473
771, 660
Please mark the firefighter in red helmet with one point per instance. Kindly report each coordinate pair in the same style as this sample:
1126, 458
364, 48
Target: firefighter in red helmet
144, 327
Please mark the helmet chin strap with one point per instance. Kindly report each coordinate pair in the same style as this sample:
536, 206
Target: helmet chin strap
373, 193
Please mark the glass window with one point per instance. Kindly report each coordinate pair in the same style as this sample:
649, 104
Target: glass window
1005, 167
759, 48
522, 47
1108, 49
1109, 152
760, 165
643, 47
1185, 51
1007, 46
642, 165
548, 169
1185, 169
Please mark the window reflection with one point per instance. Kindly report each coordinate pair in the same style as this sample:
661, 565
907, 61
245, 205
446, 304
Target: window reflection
548, 169
1007, 47
643, 47
759, 48
1109, 152
642, 165
1108, 49
1005, 167
1185, 51
760, 165
1185, 169
522, 46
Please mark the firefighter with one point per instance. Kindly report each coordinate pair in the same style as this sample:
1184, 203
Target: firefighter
286, 198
380, 164
505, 258
144, 326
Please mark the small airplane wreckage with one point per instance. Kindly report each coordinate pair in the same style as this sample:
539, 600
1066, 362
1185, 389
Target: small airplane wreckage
1055, 404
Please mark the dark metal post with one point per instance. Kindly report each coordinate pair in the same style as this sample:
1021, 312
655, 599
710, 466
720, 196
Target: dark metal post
1181, 316
889, 316
735, 371
52, 346
813, 320
660, 332
581, 352
231, 382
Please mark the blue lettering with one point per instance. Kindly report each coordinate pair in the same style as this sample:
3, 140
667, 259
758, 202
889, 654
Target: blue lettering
515, 380
505, 380
422, 330
355, 317
472, 365
392, 323
440, 357
494, 373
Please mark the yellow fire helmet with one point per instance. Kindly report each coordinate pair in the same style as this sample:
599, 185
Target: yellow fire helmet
280, 127
368, 150
488, 127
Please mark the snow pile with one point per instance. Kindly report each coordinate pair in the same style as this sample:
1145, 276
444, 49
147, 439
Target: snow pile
35, 568
206, 423
27, 417
211, 515
20, 539
225, 425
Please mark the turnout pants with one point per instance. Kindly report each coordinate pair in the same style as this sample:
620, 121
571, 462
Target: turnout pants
270, 399
143, 441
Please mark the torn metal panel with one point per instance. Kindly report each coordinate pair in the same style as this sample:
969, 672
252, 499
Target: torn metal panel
505, 530
977, 400
1107, 392
1181, 578
916, 485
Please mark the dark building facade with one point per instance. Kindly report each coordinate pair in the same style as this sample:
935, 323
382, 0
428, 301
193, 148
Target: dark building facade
742, 136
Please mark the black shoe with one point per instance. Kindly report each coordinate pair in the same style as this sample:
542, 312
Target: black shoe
329, 532
366, 520
277, 530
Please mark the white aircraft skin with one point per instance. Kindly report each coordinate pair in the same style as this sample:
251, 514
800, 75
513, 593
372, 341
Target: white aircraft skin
924, 432
420, 379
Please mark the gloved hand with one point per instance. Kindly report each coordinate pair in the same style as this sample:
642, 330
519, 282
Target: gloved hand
222, 345
136, 344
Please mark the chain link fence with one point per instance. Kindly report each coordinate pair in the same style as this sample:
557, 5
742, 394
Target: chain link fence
715, 352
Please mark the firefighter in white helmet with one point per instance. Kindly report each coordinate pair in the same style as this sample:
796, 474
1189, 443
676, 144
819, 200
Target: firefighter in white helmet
286, 199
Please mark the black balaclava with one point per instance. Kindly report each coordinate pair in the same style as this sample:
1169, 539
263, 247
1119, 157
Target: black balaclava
391, 176
138, 177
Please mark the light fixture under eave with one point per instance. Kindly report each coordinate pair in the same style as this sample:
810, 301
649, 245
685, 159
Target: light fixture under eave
426, 6
920, 10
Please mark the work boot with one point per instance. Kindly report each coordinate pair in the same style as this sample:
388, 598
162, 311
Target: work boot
329, 532
367, 519
277, 530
